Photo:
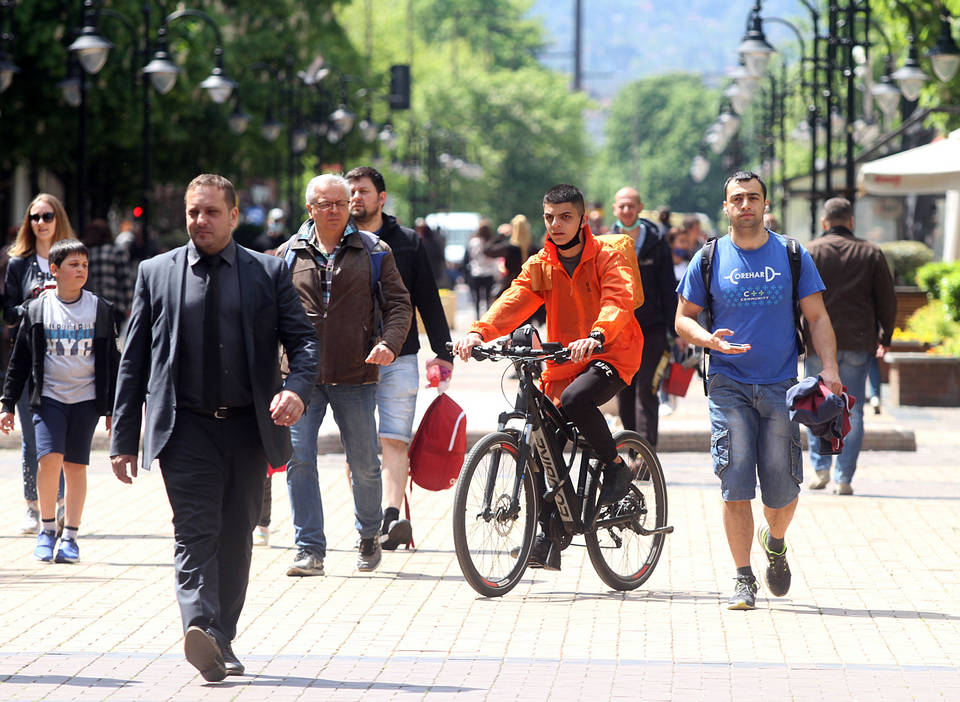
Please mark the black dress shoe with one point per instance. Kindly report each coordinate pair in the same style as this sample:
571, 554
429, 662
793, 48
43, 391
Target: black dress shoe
203, 653
231, 662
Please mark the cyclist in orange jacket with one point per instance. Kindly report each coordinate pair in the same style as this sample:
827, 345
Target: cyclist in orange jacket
587, 289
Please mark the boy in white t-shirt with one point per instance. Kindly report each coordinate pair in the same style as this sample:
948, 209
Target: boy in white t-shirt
67, 348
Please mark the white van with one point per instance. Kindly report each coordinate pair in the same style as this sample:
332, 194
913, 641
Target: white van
456, 228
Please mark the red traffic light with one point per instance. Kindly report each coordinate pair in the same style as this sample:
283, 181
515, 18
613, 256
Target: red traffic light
138, 212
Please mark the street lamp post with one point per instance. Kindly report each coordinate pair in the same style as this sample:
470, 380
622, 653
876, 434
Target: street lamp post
92, 50
7, 67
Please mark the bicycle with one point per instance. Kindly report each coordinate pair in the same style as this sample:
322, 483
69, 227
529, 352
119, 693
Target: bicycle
512, 476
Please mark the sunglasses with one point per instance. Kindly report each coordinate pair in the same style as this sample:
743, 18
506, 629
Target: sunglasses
46, 217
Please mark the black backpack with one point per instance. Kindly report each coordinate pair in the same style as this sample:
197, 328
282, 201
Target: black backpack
706, 272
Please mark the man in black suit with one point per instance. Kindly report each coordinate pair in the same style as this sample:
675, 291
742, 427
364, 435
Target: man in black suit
201, 350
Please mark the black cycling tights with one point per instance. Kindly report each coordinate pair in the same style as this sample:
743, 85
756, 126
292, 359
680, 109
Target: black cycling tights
581, 400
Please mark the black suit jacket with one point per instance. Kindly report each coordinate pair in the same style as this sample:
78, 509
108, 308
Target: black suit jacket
272, 313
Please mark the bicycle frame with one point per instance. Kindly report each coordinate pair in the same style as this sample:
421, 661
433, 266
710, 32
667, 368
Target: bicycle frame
546, 432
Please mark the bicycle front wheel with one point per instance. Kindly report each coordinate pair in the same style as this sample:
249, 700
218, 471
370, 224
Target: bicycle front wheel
492, 532
622, 555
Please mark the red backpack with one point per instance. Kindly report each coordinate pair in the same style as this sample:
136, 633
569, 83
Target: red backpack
437, 449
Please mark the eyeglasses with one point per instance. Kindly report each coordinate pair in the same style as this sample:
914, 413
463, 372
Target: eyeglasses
325, 206
45, 216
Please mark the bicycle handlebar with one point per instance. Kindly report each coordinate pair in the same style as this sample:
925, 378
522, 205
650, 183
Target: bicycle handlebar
549, 351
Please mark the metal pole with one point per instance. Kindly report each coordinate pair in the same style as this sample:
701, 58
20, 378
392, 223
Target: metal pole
828, 93
851, 90
577, 44
82, 157
145, 138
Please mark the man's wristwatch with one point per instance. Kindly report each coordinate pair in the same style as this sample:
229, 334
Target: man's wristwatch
598, 336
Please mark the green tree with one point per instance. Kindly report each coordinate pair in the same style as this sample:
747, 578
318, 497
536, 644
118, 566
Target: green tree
477, 95
188, 131
654, 130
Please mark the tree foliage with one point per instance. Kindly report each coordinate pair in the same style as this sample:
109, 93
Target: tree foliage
188, 132
477, 95
653, 131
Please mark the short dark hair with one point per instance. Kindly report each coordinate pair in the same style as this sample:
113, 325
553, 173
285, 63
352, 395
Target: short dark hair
559, 194
212, 180
97, 233
368, 172
837, 210
65, 248
741, 177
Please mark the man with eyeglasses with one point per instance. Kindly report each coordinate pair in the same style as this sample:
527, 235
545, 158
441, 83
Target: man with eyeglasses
360, 326
397, 390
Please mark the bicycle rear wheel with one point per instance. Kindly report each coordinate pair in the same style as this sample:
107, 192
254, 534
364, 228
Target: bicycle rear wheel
491, 534
623, 557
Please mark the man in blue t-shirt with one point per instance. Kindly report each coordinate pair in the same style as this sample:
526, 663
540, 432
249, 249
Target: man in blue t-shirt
753, 362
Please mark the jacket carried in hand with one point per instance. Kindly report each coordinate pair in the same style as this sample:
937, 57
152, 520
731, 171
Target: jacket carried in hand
347, 330
599, 297
30, 348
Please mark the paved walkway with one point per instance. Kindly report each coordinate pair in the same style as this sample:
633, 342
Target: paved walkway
873, 611
872, 614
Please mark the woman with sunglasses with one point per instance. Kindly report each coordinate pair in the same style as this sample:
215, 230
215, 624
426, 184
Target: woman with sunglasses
28, 275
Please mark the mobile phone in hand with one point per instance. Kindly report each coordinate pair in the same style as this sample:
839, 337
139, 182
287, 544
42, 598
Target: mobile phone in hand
739, 346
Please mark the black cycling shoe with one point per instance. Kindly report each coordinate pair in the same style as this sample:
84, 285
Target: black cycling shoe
616, 484
539, 552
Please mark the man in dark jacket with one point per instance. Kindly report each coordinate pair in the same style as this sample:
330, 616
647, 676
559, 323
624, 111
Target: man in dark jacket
201, 356
333, 266
639, 404
397, 391
862, 305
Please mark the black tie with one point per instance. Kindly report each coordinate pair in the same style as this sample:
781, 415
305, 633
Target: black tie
211, 335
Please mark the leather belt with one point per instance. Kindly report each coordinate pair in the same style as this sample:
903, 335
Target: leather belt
220, 412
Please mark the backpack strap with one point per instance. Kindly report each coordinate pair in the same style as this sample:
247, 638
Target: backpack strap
706, 273
796, 263
376, 256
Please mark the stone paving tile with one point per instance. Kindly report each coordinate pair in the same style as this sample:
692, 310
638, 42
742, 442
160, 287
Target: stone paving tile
872, 612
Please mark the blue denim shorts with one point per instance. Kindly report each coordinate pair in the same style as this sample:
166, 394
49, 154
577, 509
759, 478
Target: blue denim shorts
66, 429
397, 397
752, 438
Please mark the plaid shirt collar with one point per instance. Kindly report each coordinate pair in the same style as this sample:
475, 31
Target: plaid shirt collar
325, 262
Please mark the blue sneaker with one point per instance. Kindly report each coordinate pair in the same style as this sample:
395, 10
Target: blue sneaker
46, 540
68, 552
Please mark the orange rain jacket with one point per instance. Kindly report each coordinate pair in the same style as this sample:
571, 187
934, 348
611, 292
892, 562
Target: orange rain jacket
599, 297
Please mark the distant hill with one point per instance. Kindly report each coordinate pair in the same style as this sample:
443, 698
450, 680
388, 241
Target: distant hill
627, 39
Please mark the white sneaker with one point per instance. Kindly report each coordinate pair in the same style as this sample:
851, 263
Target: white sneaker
261, 536
31, 522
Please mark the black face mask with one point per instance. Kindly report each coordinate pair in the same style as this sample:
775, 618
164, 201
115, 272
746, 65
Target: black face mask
570, 244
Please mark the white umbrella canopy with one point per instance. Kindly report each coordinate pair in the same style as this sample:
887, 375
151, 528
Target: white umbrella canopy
930, 169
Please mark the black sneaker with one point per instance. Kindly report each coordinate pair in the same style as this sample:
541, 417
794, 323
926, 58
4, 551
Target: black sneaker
397, 534
745, 595
616, 484
778, 572
369, 554
539, 552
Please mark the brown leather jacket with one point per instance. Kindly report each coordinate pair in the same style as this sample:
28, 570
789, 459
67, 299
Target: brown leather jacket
346, 329
860, 298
